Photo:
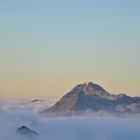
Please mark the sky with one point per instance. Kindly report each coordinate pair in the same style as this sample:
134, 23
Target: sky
49, 46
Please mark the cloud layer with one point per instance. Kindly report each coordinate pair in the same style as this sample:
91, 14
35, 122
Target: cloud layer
70, 128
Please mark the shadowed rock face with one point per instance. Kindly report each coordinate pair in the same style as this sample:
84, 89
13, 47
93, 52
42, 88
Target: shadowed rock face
94, 98
26, 132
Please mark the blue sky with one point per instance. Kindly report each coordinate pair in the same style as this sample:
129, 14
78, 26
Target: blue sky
53, 45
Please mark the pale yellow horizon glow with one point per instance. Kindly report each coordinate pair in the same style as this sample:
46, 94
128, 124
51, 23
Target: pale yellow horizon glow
32, 86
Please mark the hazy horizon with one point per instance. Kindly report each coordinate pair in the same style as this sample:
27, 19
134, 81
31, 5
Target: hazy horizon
48, 47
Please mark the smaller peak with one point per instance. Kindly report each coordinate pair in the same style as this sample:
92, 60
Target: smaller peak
27, 132
80, 86
95, 86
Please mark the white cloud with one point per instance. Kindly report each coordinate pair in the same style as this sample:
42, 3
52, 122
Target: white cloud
26, 104
71, 128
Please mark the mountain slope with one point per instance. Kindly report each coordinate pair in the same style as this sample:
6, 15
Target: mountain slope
94, 98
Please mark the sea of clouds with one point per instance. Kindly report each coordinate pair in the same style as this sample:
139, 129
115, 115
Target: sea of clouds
15, 113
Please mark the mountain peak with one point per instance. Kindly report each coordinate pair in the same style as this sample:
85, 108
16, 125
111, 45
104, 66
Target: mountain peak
80, 87
93, 97
89, 89
26, 132
88, 86
95, 86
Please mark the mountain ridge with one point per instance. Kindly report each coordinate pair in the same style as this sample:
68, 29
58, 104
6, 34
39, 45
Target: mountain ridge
94, 98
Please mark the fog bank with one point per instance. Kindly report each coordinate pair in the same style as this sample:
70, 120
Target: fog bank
68, 128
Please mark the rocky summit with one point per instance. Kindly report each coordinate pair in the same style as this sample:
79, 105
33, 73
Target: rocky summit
93, 98
26, 132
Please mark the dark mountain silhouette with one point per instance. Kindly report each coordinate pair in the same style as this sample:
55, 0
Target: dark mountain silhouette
26, 132
93, 98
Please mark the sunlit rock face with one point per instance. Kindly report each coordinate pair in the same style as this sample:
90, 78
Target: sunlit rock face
92, 97
27, 133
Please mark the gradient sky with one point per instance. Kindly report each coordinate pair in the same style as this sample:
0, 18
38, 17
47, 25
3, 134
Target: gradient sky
49, 46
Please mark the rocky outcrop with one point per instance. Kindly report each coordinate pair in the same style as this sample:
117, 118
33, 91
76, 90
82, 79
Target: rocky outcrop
26, 132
